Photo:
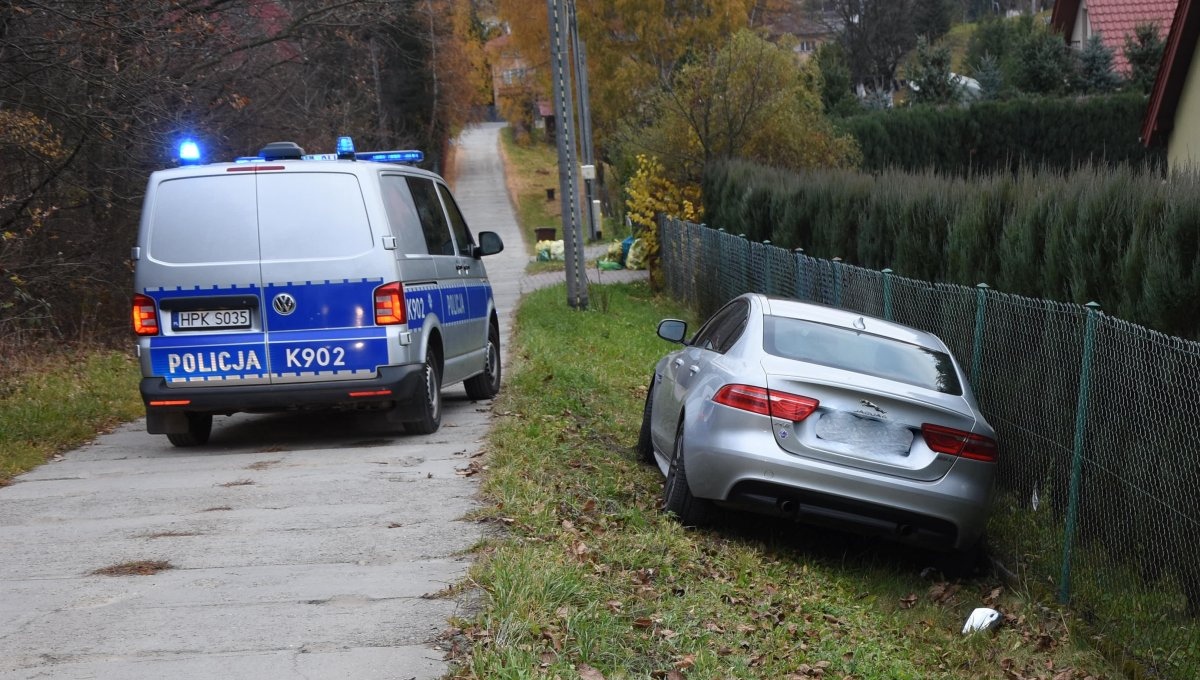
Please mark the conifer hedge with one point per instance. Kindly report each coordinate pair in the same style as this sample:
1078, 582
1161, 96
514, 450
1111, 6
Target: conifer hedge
1127, 239
1055, 132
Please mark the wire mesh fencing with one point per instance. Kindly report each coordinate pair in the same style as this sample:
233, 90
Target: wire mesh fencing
1098, 422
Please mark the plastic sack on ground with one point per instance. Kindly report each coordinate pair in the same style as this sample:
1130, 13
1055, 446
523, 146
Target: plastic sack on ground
549, 250
637, 255
612, 259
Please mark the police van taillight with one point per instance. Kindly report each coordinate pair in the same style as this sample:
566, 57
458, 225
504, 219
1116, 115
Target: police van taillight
145, 315
389, 304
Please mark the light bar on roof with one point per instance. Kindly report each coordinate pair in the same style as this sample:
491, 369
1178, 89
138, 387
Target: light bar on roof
409, 156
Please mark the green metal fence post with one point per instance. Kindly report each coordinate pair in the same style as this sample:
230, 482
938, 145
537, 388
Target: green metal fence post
801, 271
837, 282
767, 277
887, 294
977, 348
1081, 409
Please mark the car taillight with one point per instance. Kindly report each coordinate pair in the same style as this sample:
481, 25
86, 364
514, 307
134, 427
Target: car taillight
766, 402
959, 443
389, 304
145, 315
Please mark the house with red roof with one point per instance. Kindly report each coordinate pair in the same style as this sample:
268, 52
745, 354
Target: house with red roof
1173, 116
1112, 20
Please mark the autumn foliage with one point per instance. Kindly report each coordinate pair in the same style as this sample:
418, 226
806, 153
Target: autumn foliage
96, 95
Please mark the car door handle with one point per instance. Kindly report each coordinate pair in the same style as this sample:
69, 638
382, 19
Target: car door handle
693, 369
677, 363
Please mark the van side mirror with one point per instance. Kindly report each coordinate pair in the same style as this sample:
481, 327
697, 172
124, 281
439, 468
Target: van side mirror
672, 330
489, 244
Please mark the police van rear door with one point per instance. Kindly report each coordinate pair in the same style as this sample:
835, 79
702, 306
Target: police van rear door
320, 269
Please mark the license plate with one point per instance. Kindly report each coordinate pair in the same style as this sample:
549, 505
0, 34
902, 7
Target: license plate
206, 319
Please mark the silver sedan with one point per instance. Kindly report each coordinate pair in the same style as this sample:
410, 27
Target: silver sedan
823, 415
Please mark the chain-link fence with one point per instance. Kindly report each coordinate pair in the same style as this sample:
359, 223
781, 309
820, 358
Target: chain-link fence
1098, 422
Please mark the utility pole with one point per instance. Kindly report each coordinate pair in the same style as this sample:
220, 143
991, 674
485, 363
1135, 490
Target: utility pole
568, 181
591, 207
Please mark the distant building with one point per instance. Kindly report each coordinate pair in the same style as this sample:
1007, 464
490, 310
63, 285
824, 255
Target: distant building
1173, 116
1112, 20
810, 28
511, 74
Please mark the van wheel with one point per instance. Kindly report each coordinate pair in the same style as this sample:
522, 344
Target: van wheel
199, 426
487, 384
430, 408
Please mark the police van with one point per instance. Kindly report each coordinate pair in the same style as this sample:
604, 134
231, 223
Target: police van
288, 281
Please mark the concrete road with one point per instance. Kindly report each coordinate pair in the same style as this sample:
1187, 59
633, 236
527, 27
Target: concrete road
300, 546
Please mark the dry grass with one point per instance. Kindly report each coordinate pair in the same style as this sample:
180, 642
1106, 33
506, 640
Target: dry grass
239, 482
134, 568
264, 464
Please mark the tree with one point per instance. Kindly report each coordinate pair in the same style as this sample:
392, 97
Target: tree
990, 78
632, 45
1144, 50
1096, 75
876, 36
747, 99
837, 90
1043, 63
930, 75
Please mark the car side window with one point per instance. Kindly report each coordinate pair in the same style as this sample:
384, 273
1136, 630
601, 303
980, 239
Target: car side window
724, 328
433, 220
462, 235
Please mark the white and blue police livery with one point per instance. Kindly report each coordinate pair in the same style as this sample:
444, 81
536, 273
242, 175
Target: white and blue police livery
284, 281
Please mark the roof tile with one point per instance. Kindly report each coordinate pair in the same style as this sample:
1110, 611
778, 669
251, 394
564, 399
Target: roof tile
1115, 19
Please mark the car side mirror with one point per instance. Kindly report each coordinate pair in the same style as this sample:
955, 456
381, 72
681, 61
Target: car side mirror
489, 244
672, 330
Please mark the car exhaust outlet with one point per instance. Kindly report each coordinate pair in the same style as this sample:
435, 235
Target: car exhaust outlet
786, 506
904, 529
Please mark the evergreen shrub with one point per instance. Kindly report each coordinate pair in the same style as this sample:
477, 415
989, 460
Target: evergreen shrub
1128, 239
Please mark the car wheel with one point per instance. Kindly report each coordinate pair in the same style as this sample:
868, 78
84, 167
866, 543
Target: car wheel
487, 384
677, 495
199, 427
645, 448
430, 408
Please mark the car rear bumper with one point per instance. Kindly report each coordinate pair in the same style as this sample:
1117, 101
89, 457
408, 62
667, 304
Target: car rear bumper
746, 468
401, 388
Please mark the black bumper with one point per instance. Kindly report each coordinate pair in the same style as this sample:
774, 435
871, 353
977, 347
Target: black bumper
401, 388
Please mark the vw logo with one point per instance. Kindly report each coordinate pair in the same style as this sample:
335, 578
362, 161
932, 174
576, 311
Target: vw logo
284, 304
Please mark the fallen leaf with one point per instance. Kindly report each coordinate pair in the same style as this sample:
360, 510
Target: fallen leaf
614, 606
643, 622
908, 601
686, 662
588, 673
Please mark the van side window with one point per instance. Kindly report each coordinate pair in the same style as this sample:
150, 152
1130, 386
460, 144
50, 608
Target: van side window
433, 220
402, 213
462, 235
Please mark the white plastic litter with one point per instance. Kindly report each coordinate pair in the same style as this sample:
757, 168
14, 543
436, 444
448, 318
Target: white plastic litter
982, 618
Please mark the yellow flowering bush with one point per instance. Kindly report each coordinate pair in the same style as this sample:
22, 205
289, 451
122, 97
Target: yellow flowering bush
647, 195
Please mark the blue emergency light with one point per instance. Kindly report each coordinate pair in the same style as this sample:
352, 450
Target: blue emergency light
391, 156
345, 148
189, 152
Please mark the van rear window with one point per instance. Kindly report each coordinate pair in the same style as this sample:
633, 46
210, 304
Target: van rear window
312, 215
204, 219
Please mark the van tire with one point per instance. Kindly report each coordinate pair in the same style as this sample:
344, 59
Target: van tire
430, 407
487, 384
199, 427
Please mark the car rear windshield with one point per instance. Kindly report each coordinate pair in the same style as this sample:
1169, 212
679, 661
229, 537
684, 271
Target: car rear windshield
861, 352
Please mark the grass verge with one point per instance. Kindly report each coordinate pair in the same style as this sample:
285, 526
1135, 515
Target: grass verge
589, 578
59, 400
529, 170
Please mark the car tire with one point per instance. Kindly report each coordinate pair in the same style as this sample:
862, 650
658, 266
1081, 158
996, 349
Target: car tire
677, 495
645, 447
487, 384
430, 408
199, 427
